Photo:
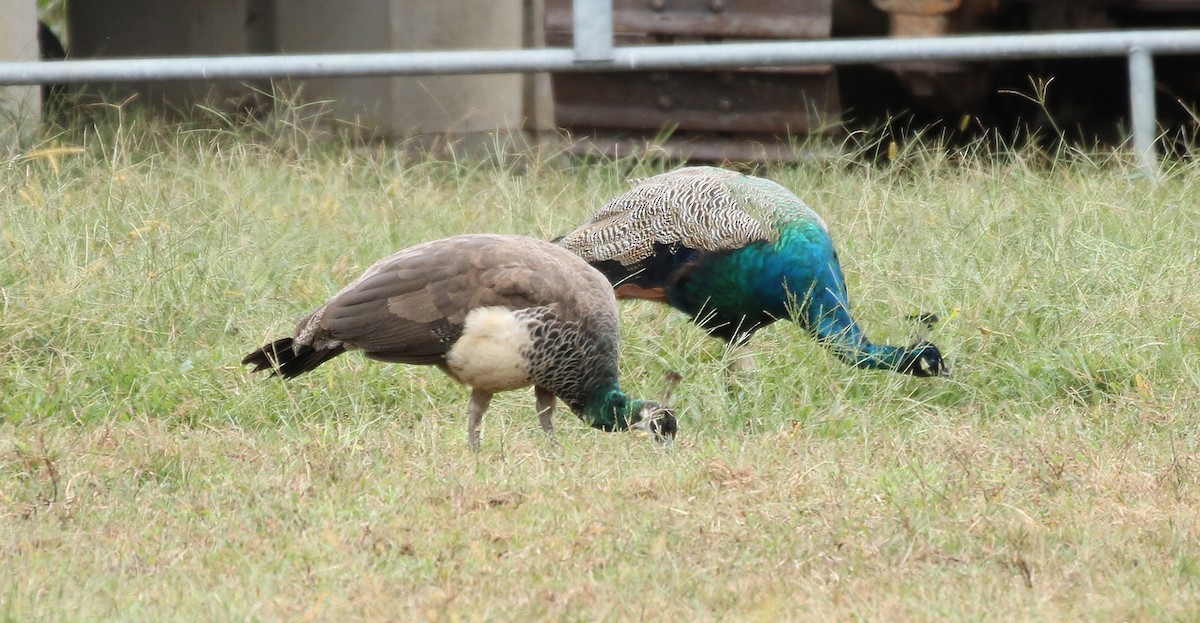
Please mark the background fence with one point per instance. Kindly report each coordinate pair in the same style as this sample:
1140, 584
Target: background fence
593, 50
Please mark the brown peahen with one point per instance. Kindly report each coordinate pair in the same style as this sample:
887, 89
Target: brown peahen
494, 312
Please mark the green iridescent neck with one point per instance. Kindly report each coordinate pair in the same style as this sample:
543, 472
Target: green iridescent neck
610, 409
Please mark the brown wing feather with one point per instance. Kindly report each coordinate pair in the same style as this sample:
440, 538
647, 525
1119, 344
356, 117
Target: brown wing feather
410, 307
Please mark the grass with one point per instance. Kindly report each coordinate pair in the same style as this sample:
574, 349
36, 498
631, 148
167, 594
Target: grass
144, 475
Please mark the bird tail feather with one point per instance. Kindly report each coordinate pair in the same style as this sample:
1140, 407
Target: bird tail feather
287, 359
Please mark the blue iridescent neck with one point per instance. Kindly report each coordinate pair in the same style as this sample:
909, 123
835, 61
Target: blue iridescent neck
824, 310
875, 356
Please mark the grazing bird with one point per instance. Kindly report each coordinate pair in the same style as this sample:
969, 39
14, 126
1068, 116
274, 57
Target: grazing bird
494, 312
736, 253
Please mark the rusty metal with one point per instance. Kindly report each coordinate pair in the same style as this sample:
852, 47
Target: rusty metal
917, 7
913, 25
925, 18
1134, 5
736, 19
716, 102
944, 86
698, 146
703, 110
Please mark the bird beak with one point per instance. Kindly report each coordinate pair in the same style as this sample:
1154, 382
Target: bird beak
643, 429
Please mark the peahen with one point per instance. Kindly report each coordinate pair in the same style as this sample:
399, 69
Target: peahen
736, 253
494, 312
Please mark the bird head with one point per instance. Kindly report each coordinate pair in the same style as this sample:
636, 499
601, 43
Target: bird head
924, 359
655, 419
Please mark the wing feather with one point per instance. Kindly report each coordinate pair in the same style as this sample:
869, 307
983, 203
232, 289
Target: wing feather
410, 307
693, 208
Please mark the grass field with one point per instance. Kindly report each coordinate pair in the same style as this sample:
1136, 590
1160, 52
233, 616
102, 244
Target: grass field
145, 475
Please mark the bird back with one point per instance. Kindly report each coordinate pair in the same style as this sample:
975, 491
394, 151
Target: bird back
412, 306
697, 208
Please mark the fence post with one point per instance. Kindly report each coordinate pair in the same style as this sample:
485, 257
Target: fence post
1141, 107
20, 106
592, 21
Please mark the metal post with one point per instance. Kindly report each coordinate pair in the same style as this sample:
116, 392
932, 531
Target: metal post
593, 24
1141, 107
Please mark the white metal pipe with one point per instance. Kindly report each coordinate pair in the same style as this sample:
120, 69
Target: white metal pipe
1142, 107
592, 23
291, 66
966, 48
838, 51
595, 53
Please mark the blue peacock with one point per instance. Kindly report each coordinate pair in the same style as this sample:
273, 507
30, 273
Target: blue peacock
736, 253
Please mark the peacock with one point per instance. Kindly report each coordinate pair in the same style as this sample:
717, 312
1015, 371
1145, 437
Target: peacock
494, 312
736, 253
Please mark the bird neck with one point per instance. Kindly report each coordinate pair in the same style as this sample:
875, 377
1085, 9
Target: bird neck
827, 317
875, 356
824, 310
609, 408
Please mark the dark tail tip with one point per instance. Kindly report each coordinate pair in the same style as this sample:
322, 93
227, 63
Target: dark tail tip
285, 359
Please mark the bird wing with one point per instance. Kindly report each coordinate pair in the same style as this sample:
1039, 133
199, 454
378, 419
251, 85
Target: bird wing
398, 310
411, 307
694, 208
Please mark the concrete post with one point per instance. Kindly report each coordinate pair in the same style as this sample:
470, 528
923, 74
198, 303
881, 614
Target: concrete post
435, 106
20, 107
411, 105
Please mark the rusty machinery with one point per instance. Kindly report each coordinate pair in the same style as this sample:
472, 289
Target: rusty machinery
750, 113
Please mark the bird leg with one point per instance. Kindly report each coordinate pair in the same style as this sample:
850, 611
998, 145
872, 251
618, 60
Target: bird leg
545, 408
475, 410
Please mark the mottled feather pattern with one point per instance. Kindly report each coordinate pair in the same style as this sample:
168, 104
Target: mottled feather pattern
572, 357
696, 207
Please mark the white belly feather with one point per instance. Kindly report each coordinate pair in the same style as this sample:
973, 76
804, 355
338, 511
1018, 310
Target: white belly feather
488, 355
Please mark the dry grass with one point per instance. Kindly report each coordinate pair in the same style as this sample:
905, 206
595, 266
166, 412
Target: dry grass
145, 476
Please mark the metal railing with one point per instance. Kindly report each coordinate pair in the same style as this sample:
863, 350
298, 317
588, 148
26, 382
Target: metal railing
594, 51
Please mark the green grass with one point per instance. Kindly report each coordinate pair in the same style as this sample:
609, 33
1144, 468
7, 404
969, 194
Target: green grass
145, 475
